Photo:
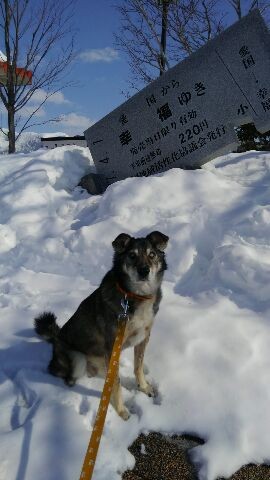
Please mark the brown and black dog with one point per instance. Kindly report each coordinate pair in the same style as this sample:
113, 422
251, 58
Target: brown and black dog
84, 343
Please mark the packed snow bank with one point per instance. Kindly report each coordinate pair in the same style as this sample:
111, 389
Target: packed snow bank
209, 350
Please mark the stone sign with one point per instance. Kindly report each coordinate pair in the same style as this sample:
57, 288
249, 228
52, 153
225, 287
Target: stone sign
187, 116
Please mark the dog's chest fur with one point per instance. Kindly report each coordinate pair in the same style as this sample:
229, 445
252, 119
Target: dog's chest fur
139, 324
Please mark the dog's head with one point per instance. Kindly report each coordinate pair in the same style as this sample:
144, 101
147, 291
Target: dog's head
141, 261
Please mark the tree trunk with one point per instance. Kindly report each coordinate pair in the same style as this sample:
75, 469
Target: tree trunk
165, 6
11, 130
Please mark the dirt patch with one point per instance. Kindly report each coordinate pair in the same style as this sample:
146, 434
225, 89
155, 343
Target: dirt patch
162, 457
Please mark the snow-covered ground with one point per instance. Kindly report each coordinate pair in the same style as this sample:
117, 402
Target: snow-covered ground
209, 352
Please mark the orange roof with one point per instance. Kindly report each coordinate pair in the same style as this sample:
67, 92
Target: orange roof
22, 76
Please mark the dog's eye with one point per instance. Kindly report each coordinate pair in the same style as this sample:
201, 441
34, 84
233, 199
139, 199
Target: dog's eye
132, 255
152, 254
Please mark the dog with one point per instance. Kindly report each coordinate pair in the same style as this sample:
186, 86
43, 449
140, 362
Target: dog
84, 344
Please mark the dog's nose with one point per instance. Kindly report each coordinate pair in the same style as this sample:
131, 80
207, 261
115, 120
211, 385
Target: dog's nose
143, 271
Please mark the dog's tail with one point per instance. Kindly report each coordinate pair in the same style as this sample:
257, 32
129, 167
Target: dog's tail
46, 326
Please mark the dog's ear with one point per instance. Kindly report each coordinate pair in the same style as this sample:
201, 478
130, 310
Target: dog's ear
121, 242
158, 239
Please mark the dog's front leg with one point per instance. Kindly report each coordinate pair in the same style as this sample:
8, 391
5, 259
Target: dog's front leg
143, 385
117, 399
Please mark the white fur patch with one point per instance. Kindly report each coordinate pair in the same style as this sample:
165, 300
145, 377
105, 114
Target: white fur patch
79, 364
136, 329
143, 287
97, 365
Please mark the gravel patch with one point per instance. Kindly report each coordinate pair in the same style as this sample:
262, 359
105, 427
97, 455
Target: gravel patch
163, 457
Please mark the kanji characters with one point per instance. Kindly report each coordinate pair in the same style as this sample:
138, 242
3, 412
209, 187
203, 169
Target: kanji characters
123, 119
266, 105
247, 58
183, 119
192, 114
164, 112
164, 131
262, 93
150, 100
248, 62
244, 50
125, 137
201, 141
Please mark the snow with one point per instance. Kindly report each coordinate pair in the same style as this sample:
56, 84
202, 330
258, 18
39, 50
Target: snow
3, 57
54, 134
143, 449
209, 351
27, 142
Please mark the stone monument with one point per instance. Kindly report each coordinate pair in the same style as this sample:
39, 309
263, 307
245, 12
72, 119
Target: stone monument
187, 116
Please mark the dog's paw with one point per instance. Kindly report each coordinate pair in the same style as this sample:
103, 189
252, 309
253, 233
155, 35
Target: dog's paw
124, 414
148, 390
70, 382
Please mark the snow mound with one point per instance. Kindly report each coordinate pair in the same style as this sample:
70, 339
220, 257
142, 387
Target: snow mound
209, 353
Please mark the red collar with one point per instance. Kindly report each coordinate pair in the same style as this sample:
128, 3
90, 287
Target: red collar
133, 295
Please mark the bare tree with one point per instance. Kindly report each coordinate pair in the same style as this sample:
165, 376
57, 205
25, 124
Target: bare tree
192, 24
188, 24
237, 6
156, 34
163, 40
37, 36
242, 7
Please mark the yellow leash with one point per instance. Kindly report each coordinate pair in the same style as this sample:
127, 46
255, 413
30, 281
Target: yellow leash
92, 450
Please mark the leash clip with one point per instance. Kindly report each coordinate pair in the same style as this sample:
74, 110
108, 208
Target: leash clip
125, 306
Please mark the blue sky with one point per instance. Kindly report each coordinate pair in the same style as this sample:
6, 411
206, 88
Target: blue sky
102, 72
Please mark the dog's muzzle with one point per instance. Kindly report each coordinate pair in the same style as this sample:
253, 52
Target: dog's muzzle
143, 271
